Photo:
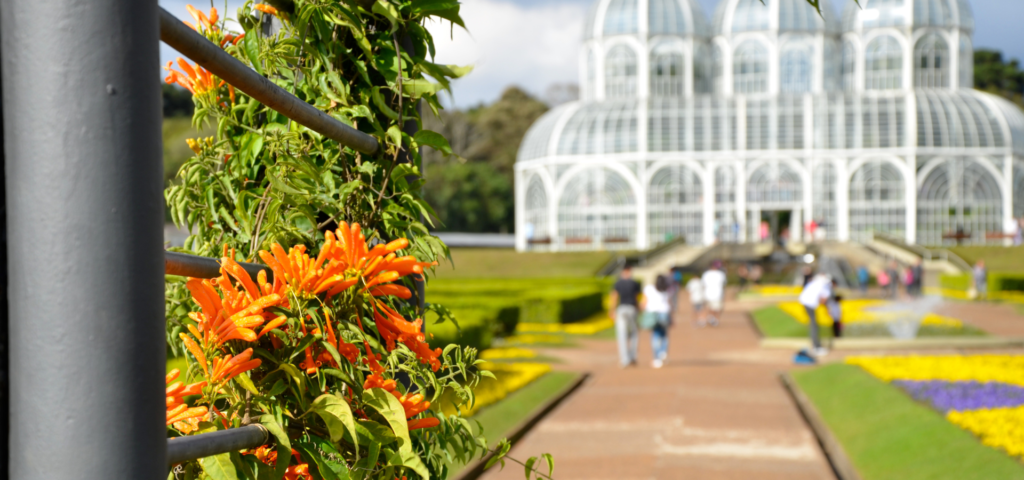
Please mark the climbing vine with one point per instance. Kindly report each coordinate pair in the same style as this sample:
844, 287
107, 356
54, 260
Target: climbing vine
327, 351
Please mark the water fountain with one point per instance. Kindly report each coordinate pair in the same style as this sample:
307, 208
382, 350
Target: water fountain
903, 319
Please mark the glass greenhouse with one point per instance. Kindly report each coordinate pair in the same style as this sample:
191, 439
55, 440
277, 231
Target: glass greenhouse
705, 131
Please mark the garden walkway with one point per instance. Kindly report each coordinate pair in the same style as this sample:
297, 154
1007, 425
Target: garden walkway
715, 411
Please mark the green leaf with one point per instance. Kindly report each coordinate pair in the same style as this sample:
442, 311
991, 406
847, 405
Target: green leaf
245, 382
219, 467
550, 461
251, 45
279, 185
529, 466
391, 409
329, 469
284, 446
337, 414
419, 87
383, 7
433, 140
370, 431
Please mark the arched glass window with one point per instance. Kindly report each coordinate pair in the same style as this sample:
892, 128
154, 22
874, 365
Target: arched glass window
667, 71
849, 66
931, 62
597, 208
883, 64
620, 72
833, 72
750, 68
536, 212
620, 17
703, 74
958, 195
877, 201
665, 16
750, 15
966, 62
935, 13
675, 205
775, 185
883, 13
795, 67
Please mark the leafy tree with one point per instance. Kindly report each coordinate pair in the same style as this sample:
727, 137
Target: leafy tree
994, 75
486, 140
177, 101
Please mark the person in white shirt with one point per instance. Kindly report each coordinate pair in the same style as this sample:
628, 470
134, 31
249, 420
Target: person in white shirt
696, 290
657, 304
816, 293
714, 291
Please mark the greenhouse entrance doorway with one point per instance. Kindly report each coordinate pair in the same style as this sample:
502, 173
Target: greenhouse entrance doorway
775, 225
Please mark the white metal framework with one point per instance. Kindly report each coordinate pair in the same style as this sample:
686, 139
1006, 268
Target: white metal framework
696, 129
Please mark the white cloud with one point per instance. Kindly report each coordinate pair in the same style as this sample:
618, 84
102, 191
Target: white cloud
510, 44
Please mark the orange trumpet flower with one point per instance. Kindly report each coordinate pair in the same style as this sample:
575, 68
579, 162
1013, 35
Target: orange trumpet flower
195, 79
227, 367
183, 418
267, 9
204, 22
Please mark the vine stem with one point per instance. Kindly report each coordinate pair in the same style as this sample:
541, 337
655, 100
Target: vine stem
534, 470
401, 125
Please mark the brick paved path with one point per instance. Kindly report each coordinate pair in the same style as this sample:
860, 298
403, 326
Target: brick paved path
715, 411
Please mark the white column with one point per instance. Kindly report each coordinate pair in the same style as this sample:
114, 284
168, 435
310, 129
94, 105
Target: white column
642, 242
708, 177
910, 172
520, 209
843, 199
1008, 188
741, 198
553, 200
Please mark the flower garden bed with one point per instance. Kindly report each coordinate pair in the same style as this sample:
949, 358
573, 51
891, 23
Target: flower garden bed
889, 435
789, 320
983, 394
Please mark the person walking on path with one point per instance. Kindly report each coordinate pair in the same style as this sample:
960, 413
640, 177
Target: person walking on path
863, 277
916, 278
980, 275
714, 292
656, 303
625, 304
894, 278
816, 293
695, 288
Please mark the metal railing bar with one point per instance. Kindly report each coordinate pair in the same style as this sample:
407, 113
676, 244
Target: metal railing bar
195, 266
211, 57
182, 449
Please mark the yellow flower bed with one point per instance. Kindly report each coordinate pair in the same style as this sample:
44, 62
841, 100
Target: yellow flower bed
506, 353
856, 311
953, 368
776, 290
996, 427
588, 327
509, 377
535, 339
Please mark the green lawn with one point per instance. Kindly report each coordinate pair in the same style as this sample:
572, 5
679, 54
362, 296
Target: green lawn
507, 263
997, 259
887, 435
499, 419
773, 323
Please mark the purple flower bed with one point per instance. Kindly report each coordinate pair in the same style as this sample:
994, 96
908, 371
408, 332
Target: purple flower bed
961, 396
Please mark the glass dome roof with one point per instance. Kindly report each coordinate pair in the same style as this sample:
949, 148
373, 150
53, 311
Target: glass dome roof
945, 119
664, 17
894, 13
794, 15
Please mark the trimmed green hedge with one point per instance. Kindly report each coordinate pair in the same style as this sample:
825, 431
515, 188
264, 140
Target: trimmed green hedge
477, 329
961, 282
486, 308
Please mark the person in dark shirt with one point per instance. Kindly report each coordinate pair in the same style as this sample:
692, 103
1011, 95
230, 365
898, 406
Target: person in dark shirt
625, 305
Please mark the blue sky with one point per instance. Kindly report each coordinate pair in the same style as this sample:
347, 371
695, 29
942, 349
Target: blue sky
534, 43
